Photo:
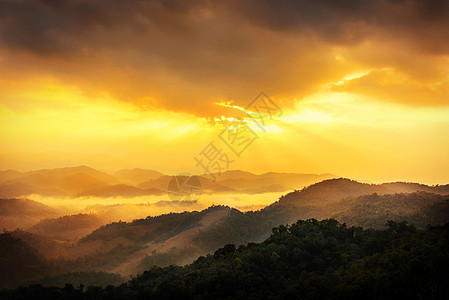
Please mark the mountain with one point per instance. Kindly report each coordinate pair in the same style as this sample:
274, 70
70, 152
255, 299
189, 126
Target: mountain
84, 181
9, 175
18, 212
19, 189
178, 238
118, 190
234, 174
69, 171
48, 247
311, 260
306, 260
67, 228
137, 176
269, 182
18, 262
56, 182
207, 185
58, 159
149, 236
332, 190
373, 211
22, 264
236, 181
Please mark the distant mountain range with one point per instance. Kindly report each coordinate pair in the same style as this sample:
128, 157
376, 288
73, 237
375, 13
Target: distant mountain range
128, 248
84, 181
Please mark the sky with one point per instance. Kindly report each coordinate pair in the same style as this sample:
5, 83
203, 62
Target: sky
361, 88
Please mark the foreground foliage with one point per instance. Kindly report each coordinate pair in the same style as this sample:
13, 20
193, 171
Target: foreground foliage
307, 260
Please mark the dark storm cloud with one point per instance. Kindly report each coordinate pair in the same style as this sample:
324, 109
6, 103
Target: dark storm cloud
325, 17
188, 53
51, 26
423, 23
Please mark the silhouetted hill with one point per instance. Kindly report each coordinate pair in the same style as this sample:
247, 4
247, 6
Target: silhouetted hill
47, 246
373, 211
137, 176
306, 260
85, 181
18, 212
235, 174
56, 182
9, 175
270, 182
73, 280
312, 260
18, 262
244, 182
332, 190
23, 264
118, 190
178, 238
68, 228
206, 184
63, 172
151, 235
19, 189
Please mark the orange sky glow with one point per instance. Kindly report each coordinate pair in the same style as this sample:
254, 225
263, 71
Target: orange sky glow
149, 87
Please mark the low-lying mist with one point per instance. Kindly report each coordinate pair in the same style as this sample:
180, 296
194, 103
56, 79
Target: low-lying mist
131, 208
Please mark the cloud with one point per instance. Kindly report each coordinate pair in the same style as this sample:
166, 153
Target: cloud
422, 23
187, 55
50, 26
391, 85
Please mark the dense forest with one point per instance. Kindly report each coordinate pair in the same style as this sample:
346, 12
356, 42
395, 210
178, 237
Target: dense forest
306, 260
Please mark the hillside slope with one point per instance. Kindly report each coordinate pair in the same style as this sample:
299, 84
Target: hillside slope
178, 238
306, 260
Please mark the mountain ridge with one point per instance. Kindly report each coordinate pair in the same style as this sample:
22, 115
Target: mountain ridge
81, 181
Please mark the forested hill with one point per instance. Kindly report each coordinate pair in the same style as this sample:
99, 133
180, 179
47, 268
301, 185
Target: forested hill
331, 190
307, 260
129, 248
